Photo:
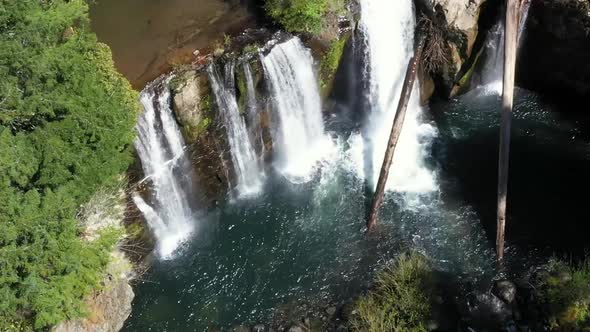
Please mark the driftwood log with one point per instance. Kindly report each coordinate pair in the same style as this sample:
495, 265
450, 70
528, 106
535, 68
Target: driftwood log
396, 129
512, 24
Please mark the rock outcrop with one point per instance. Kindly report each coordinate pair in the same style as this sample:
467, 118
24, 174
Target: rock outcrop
462, 16
555, 53
200, 120
109, 306
456, 22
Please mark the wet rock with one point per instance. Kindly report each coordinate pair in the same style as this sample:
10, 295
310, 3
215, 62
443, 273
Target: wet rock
505, 290
240, 328
462, 15
331, 311
295, 328
486, 310
259, 328
188, 91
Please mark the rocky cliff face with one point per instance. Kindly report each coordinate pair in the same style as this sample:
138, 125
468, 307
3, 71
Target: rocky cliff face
199, 117
555, 54
110, 305
452, 28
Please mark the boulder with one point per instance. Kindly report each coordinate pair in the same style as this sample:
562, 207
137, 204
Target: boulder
189, 92
505, 290
462, 15
456, 23
295, 328
259, 328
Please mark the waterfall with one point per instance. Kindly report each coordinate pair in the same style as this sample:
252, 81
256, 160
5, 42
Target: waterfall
300, 139
493, 68
247, 166
388, 29
491, 76
161, 150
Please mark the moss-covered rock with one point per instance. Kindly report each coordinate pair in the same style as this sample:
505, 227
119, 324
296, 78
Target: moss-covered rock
330, 62
191, 102
562, 293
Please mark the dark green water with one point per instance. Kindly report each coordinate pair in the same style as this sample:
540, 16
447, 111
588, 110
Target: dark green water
305, 243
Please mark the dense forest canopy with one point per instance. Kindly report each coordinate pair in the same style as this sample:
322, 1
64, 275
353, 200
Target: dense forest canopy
66, 128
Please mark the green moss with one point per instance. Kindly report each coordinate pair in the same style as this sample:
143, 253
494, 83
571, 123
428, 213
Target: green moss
565, 291
192, 133
206, 104
251, 48
330, 62
401, 299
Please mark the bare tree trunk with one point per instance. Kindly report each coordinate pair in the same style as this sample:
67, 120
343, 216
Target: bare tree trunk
510, 49
396, 129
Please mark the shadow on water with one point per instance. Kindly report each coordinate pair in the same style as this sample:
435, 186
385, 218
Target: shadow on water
548, 170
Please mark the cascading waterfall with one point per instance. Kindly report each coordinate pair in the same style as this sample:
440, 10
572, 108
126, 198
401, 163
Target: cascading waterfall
247, 166
388, 27
300, 139
493, 70
161, 150
491, 76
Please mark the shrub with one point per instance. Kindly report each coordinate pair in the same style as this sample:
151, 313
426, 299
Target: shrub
298, 15
66, 128
400, 300
565, 291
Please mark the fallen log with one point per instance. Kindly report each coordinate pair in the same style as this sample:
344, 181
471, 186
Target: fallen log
510, 49
396, 129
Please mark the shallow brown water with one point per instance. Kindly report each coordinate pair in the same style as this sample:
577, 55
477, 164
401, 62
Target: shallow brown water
148, 36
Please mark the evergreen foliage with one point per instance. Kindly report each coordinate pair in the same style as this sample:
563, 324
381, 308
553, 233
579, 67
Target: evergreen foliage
66, 125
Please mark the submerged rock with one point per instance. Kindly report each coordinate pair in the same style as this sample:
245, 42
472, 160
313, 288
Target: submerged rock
259, 328
240, 328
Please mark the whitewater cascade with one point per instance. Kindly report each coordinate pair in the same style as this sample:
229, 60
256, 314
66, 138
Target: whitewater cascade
493, 69
161, 150
300, 140
247, 166
388, 29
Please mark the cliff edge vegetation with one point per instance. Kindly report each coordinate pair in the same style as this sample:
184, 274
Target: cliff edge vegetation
66, 128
